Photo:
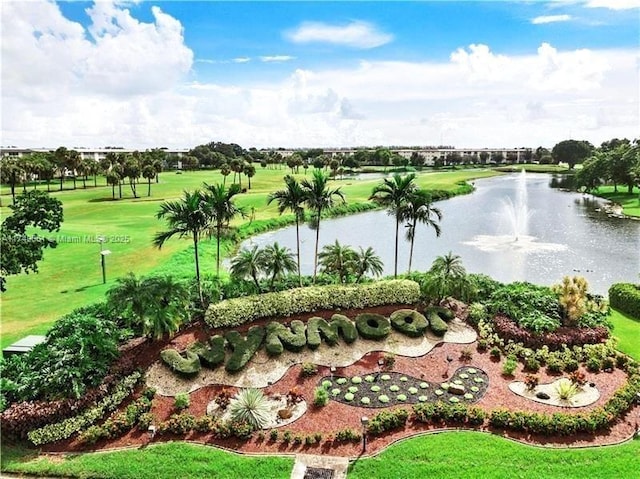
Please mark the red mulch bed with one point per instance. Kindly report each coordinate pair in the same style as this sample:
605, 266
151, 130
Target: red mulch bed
335, 416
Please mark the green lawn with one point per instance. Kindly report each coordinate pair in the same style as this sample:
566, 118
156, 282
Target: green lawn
627, 330
535, 168
458, 454
70, 274
170, 460
630, 201
476, 455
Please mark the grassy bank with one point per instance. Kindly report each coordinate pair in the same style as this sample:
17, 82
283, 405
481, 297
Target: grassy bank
630, 202
472, 454
70, 274
533, 168
469, 454
627, 330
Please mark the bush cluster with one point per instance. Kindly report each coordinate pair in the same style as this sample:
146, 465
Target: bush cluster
437, 317
508, 330
531, 306
440, 412
387, 421
238, 311
64, 429
625, 297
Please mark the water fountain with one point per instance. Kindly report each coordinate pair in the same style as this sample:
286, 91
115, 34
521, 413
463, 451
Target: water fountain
515, 214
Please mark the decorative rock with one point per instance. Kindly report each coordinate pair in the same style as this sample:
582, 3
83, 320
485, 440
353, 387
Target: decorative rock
284, 413
542, 395
456, 389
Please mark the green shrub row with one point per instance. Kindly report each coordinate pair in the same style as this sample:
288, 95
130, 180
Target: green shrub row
244, 347
437, 317
409, 322
120, 424
387, 421
373, 326
281, 337
339, 326
441, 412
234, 312
64, 429
625, 297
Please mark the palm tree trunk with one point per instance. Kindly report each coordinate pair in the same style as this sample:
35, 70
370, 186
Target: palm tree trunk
395, 266
61, 177
113, 192
149, 190
48, 186
95, 180
413, 236
255, 280
218, 228
298, 245
195, 247
315, 260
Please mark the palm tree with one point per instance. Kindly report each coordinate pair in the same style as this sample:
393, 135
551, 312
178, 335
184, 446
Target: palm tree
127, 298
250, 171
337, 259
291, 198
394, 194
249, 262
420, 210
149, 172
367, 261
225, 170
448, 277
319, 197
277, 262
220, 207
185, 217
167, 309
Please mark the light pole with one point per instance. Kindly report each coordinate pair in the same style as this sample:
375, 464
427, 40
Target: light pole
103, 254
364, 420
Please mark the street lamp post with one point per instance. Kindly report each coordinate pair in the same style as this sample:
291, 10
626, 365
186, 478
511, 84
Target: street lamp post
103, 254
364, 420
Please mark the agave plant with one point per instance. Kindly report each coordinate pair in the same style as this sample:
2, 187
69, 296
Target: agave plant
566, 390
250, 406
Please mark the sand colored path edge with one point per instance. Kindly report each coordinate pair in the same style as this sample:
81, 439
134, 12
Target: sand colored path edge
586, 396
264, 370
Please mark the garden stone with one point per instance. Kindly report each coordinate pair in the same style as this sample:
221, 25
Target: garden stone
542, 395
456, 389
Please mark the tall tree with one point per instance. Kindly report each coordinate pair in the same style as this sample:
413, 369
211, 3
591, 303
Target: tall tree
61, 160
250, 171
19, 251
367, 261
74, 159
394, 193
571, 152
149, 173
338, 260
292, 198
448, 277
225, 170
12, 174
185, 217
132, 171
319, 197
221, 209
419, 209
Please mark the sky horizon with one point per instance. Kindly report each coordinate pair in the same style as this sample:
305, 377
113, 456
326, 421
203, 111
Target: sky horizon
318, 74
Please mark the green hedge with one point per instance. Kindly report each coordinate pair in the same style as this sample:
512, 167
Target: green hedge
237, 311
437, 324
243, 347
625, 297
373, 326
281, 337
211, 354
318, 328
409, 322
187, 366
64, 429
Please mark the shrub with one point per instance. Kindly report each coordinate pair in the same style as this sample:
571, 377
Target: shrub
273, 435
554, 365
243, 347
519, 299
388, 360
320, 397
625, 297
182, 401
250, 406
187, 365
565, 389
509, 367
593, 364
466, 354
409, 322
178, 424
280, 337
495, 352
608, 364
211, 354
531, 381
308, 369
387, 421
64, 429
571, 365
373, 326
477, 313
531, 364
578, 378
347, 435
436, 317
238, 311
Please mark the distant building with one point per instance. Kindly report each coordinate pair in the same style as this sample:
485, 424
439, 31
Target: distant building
85, 153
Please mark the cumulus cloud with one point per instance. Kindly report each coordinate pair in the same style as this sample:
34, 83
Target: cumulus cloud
550, 19
356, 34
614, 4
55, 92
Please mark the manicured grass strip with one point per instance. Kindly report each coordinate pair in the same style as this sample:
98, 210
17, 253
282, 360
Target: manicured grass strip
627, 330
154, 462
630, 201
469, 454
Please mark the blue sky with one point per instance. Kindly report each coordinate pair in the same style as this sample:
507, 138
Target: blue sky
320, 73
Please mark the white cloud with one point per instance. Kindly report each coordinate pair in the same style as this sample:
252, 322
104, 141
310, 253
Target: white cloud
550, 19
241, 60
276, 58
54, 92
356, 34
613, 4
